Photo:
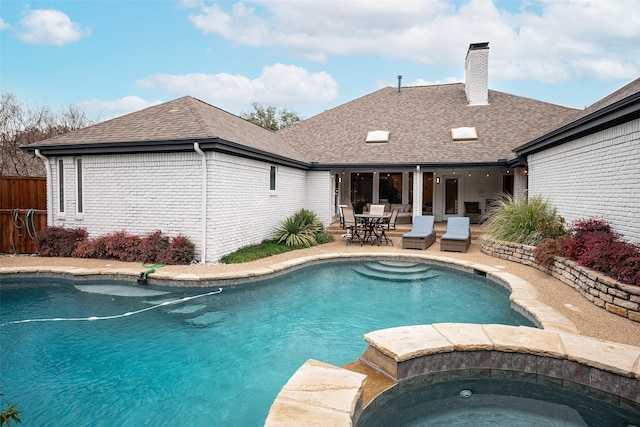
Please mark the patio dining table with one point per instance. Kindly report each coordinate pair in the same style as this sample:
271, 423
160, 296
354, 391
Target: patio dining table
372, 229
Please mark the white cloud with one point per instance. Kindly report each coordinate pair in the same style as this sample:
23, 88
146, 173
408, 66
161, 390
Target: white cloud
4, 25
106, 109
545, 40
50, 27
278, 84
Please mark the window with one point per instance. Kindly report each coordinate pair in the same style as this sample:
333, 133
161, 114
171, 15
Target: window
272, 179
61, 186
79, 186
390, 190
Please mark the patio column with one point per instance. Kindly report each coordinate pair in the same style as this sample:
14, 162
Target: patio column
417, 191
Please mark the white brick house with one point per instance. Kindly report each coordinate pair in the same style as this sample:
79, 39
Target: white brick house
186, 167
589, 167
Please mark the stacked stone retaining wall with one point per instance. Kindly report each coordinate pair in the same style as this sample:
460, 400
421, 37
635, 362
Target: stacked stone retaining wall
601, 290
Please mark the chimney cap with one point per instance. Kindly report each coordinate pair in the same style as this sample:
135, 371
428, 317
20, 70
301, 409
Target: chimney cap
476, 46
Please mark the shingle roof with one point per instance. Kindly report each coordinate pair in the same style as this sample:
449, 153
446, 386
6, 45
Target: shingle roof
620, 106
185, 118
420, 120
620, 94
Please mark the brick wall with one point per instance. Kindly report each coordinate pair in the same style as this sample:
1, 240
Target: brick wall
141, 193
593, 176
601, 290
319, 195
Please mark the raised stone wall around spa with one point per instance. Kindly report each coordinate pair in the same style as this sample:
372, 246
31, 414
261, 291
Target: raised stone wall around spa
601, 290
419, 356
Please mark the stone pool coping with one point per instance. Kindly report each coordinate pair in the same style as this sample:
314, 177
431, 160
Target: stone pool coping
523, 295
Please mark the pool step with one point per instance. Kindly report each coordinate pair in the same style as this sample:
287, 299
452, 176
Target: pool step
397, 272
398, 268
209, 318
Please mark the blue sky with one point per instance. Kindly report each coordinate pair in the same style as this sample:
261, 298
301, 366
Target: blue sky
113, 57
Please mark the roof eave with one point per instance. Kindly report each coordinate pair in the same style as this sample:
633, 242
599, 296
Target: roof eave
165, 146
500, 163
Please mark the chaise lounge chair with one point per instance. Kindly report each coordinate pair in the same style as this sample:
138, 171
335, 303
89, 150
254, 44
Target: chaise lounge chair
457, 238
422, 234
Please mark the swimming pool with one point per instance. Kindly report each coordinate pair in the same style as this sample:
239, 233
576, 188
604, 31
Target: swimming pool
219, 359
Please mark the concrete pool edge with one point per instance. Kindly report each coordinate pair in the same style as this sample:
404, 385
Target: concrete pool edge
416, 356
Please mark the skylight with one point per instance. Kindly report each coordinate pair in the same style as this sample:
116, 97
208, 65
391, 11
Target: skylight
464, 134
378, 136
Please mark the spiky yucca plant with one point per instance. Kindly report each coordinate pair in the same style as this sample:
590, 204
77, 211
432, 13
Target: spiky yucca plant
521, 221
300, 229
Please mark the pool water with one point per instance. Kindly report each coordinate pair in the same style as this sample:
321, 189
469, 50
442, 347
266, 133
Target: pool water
496, 403
219, 359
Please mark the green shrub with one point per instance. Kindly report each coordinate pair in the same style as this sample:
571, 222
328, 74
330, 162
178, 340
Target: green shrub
323, 238
300, 229
254, 252
526, 222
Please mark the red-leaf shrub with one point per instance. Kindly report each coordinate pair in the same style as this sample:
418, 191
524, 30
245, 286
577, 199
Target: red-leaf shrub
59, 241
181, 251
91, 248
576, 245
547, 249
155, 248
595, 245
122, 246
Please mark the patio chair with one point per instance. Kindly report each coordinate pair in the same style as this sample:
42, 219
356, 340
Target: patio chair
473, 211
342, 215
376, 210
457, 237
422, 234
350, 224
391, 224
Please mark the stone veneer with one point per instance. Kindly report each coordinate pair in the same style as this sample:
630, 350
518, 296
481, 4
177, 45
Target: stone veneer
601, 290
414, 357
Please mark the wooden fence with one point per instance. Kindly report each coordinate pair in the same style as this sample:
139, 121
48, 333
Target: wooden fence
23, 212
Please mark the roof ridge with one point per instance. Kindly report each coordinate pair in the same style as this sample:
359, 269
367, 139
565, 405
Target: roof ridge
188, 102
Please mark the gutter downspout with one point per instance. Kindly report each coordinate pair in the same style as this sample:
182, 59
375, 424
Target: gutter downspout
47, 167
197, 149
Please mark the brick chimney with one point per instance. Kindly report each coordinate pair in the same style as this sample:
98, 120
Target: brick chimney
476, 70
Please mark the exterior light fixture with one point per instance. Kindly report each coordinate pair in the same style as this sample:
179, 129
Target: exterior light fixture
437, 180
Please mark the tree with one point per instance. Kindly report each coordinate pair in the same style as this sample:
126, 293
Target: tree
269, 117
24, 125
